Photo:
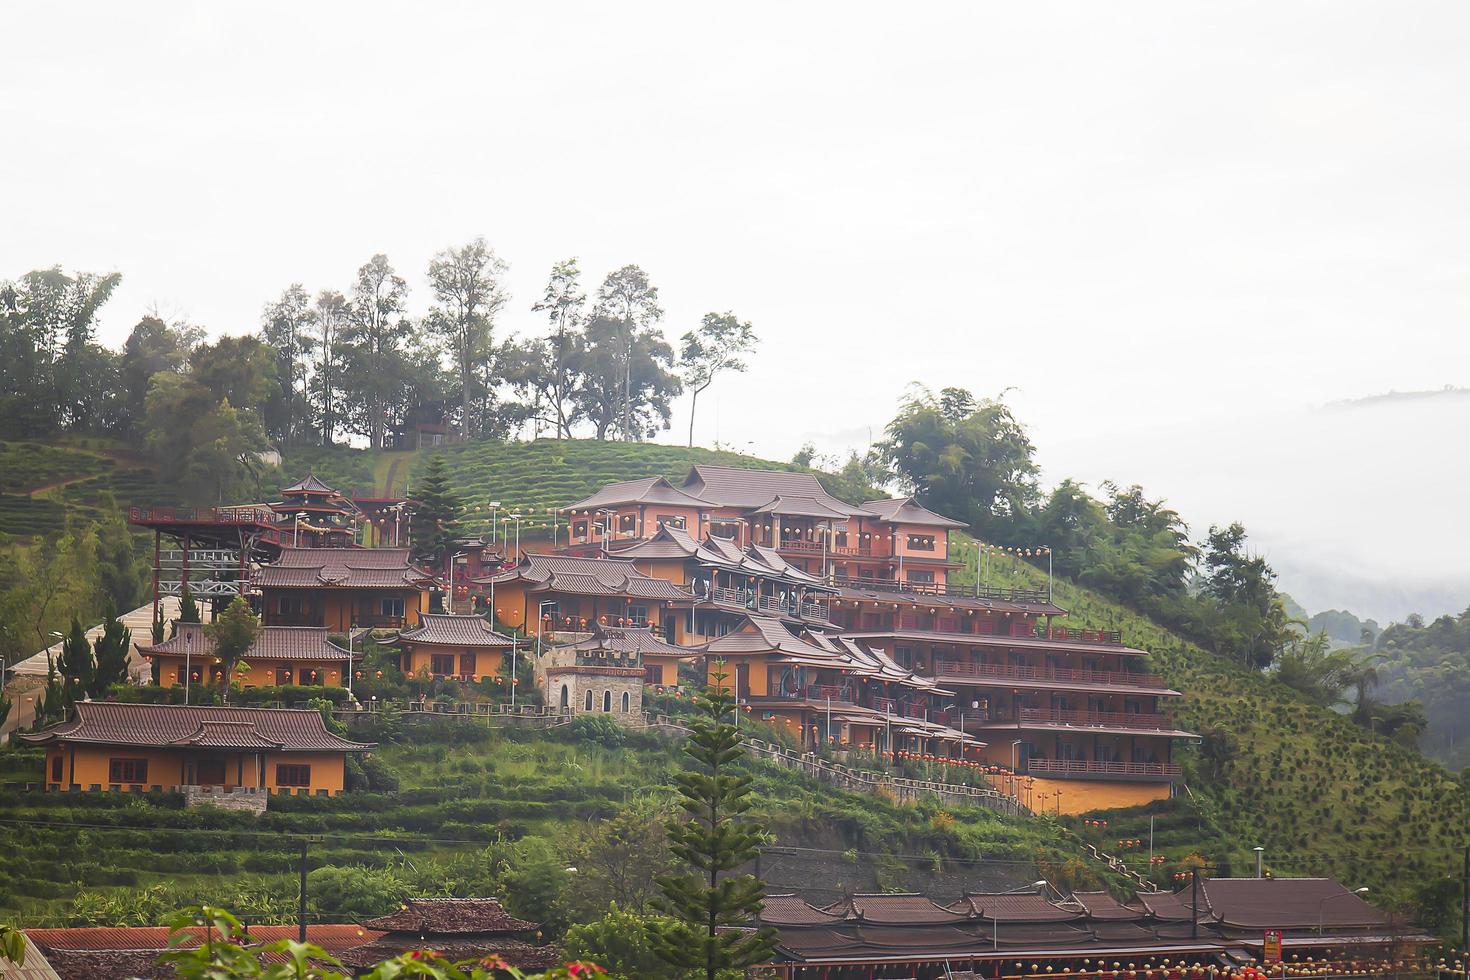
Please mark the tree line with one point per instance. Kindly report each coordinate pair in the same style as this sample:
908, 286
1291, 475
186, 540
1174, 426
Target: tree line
357, 364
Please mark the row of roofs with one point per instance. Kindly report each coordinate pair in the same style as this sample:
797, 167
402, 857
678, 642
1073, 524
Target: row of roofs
755, 491
342, 568
1232, 916
196, 726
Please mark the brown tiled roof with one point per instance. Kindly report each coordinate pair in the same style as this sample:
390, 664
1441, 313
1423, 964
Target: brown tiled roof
329, 936
167, 725
1175, 906
275, 642
899, 910
451, 916
619, 639
1016, 907
457, 631
790, 910
518, 954
802, 507
652, 490
904, 510
93, 964
1285, 903
729, 486
342, 568
766, 634
588, 576
1102, 905
310, 484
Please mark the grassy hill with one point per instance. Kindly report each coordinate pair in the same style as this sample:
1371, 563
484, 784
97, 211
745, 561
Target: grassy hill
1320, 794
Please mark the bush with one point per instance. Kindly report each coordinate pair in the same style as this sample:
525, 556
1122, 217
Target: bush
354, 892
598, 730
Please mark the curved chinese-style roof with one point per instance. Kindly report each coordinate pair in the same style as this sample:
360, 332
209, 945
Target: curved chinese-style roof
1285, 903
1102, 905
653, 490
1014, 907
451, 917
273, 642
731, 486
898, 910
310, 484
905, 510
764, 634
628, 640
802, 507
342, 568
587, 576
170, 725
446, 629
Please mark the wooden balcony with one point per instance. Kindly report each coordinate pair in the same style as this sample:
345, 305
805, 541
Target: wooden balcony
832, 551
959, 670
1095, 719
1031, 596
1080, 769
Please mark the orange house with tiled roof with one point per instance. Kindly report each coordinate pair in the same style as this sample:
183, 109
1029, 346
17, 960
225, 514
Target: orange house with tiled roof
343, 588
280, 655
462, 647
108, 745
564, 593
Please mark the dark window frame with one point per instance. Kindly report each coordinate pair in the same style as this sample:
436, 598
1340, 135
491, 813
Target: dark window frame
293, 774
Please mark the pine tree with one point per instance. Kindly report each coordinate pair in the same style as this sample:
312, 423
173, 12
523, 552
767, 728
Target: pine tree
111, 654
234, 632
436, 512
188, 611
76, 666
707, 911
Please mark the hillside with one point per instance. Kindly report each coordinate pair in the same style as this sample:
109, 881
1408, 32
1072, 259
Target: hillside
1320, 794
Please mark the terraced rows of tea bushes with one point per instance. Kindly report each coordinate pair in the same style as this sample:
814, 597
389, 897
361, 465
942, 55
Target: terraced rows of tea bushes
1322, 795
28, 466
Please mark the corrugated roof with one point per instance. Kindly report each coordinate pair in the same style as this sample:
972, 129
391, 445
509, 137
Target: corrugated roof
588, 576
790, 910
166, 725
1102, 905
651, 490
451, 630
905, 510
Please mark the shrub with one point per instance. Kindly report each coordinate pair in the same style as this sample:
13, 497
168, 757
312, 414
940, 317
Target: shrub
598, 730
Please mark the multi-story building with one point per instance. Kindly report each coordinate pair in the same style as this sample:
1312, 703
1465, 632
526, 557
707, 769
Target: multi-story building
343, 589
462, 647
280, 655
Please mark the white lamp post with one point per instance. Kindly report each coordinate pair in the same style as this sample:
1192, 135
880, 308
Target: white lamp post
1359, 892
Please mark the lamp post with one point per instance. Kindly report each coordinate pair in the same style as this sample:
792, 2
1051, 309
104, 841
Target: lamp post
540, 627
1260, 857
1321, 906
350, 628
494, 522
515, 515
1015, 773
188, 656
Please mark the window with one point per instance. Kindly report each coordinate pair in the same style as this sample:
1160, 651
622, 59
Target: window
652, 674
283, 676
921, 542
589, 701
467, 663
606, 700
925, 575
392, 606
627, 522
627, 702
441, 663
289, 775
209, 772
56, 763
670, 520
127, 770
725, 529
579, 529
904, 656
638, 615
289, 605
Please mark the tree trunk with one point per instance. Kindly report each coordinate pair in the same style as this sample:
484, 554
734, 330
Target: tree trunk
465, 372
693, 404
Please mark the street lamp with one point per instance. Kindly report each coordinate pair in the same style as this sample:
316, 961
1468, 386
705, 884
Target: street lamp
494, 520
1260, 857
188, 656
1359, 892
540, 628
515, 515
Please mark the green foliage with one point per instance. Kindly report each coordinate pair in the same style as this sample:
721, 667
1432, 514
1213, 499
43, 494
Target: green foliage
712, 841
598, 729
121, 576
188, 608
718, 345
76, 667
436, 514
356, 892
234, 632
1428, 662
619, 860
111, 653
620, 942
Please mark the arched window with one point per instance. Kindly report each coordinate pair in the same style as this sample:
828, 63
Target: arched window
606, 700
627, 702
589, 701
565, 696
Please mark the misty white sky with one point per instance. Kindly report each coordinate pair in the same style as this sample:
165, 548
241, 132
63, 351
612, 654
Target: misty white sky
1175, 229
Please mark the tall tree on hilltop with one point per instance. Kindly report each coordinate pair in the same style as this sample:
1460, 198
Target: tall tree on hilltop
562, 303
111, 653
151, 347
963, 457
436, 512
709, 909
120, 574
468, 292
1253, 618
286, 326
200, 442
373, 341
626, 380
233, 633
329, 313
720, 344
629, 298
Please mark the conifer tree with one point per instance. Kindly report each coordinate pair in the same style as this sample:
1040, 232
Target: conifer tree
76, 666
436, 512
111, 653
188, 611
707, 910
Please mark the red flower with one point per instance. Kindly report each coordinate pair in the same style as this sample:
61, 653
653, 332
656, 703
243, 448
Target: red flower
580, 969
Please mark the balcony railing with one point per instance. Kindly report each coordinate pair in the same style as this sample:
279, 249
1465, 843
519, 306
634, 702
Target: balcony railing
1033, 596
1094, 719
963, 670
821, 692
837, 551
1078, 767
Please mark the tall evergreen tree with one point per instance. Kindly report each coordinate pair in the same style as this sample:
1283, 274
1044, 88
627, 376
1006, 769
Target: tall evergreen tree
436, 512
708, 909
188, 611
233, 633
76, 666
111, 654
120, 575
468, 285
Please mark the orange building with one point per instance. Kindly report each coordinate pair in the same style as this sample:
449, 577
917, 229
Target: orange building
563, 593
343, 589
109, 745
280, 655
462, 647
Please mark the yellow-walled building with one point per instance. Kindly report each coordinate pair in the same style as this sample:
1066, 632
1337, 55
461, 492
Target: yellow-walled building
343, 589
463, 647
281, 655
109, 745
